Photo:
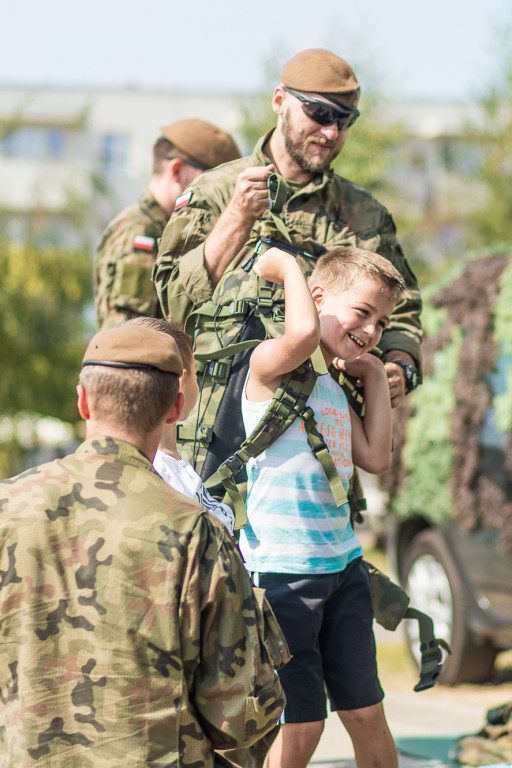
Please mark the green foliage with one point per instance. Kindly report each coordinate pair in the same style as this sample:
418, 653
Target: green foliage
427, 453
42, 304
502, 312
367, 154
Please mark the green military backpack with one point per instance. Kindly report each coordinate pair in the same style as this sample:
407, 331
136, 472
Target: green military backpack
390, 602
244, 311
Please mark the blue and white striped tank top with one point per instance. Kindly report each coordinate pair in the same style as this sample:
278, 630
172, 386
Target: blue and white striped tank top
294, 525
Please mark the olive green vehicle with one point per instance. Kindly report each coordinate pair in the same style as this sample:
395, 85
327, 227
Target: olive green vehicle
449, 491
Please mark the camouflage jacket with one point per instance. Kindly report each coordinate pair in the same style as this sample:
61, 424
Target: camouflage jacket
328, 211
130, 633
124, 261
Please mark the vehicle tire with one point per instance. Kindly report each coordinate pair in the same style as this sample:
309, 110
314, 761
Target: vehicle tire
434, 585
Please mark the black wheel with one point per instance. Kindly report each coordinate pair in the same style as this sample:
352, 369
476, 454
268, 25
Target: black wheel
434, 586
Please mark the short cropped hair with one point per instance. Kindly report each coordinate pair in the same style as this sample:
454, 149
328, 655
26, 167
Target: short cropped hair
183, 341
164, 150
340, 269
134, 399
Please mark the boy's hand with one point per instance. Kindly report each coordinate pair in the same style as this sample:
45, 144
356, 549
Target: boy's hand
272, 265
362, 367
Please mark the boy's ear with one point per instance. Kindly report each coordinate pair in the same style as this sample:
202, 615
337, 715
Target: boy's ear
318, 295
175, 409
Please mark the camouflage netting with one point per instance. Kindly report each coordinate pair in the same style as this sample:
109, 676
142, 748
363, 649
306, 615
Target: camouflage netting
437, 464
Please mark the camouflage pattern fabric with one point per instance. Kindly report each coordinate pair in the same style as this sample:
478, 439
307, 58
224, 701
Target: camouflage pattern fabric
492, 745
329, 211
124, 261
130, 633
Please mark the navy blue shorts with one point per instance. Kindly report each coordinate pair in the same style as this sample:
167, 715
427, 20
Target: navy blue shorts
327, 620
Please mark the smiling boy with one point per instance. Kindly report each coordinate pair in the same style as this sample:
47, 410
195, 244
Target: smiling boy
298, 544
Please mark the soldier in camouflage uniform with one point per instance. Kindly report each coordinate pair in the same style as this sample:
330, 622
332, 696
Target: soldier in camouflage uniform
218, 221
130, 634
127, 251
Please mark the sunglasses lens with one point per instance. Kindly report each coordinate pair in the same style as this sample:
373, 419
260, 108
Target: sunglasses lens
328, 115
321, 115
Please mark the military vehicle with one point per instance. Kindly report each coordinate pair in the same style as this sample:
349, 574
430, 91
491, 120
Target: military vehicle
449, 491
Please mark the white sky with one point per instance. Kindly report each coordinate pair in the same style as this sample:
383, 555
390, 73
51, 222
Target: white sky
436, 49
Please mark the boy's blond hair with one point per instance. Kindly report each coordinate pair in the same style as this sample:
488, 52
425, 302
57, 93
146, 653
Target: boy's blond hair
340, 269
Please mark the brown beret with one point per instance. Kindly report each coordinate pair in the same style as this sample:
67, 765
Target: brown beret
134, 347
202, 142
320, 71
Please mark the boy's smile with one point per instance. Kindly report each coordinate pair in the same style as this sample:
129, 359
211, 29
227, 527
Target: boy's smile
352, 321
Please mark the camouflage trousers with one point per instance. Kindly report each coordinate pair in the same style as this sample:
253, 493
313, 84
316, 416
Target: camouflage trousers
252, 757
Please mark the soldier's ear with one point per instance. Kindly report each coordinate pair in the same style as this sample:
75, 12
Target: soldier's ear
82, 404
174, 169
175, 409
278, 100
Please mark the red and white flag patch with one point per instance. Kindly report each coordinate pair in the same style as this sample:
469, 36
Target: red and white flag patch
143, 243
183, 200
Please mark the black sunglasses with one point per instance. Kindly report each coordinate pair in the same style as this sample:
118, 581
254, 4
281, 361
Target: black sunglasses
323, 113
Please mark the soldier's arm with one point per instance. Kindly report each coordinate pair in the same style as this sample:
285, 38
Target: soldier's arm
203, 236
231, 232
122, 277
237, 692
404, 333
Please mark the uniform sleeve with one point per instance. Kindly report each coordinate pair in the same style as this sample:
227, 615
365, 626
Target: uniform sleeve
181, 280
122, 275
405, 331
238, 696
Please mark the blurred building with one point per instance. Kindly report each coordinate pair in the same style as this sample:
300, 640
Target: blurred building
70, 159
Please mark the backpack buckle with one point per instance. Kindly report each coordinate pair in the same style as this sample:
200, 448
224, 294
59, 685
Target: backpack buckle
204, 434
218, 370
238, 307
307, 413
234, 463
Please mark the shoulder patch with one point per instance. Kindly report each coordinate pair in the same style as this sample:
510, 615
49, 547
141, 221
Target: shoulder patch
143, 243
183, 200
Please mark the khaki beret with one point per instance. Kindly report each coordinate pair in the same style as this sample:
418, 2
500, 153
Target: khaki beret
202, 142
134, 347
320, 71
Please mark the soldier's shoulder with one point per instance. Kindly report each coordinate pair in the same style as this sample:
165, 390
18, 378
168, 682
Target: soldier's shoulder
348, 190
122, 232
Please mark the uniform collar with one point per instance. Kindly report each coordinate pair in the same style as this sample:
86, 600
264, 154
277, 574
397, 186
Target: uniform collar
112, 447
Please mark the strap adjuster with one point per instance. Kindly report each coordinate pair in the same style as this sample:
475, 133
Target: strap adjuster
234, 463
307, 414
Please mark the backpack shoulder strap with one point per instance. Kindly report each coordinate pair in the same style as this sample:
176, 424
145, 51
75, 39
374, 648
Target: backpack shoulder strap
288, 403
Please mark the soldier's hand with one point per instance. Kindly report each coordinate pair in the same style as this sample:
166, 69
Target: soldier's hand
250, 198
396, 381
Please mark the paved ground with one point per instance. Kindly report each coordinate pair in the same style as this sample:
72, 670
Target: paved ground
423, 728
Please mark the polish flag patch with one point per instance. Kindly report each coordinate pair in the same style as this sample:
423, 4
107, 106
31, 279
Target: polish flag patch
143, 243
183, 200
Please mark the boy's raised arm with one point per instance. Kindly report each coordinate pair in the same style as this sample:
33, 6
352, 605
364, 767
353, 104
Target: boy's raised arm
371, 436
274, 357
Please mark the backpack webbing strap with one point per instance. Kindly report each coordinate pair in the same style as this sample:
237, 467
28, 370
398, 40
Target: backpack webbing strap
431, 663
288, 403
390, 605
277, 194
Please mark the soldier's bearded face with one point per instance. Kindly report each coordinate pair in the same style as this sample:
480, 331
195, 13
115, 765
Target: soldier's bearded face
311, 146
